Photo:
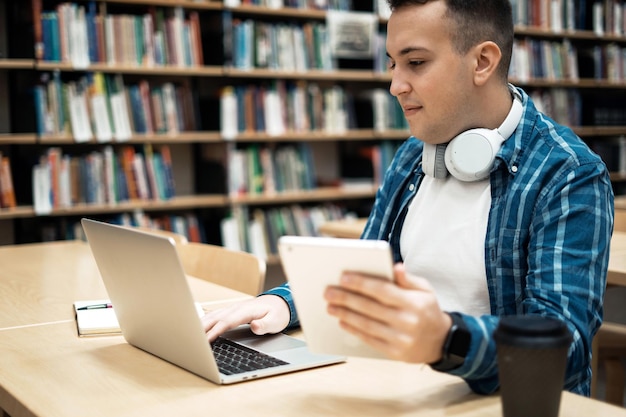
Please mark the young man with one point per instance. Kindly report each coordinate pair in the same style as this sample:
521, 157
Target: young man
527, 233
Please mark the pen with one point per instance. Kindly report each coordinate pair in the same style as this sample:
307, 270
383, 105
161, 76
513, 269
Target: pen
95, 306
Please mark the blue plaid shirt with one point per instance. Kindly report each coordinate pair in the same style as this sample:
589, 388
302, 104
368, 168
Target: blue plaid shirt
547, 241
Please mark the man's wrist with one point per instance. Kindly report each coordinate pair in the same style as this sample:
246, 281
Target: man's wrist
455, 346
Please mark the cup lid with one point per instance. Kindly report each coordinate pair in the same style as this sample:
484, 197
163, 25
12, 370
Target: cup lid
533, 332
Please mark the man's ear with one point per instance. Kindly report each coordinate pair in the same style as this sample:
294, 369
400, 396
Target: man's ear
487, 57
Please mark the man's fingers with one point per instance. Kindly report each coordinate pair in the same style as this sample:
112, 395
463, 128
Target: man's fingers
407, 281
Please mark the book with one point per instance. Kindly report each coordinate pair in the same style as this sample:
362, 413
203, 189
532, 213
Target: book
96, 318
7, 191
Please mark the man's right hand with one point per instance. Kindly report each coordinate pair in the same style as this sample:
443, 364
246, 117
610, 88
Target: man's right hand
265, 314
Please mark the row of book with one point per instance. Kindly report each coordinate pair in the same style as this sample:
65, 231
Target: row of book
257, 230
270, 169
82, 35
561, 104
365, 165
379, 6
387, 114
609, 112
104, 176
7, 190
296, 4
601, 16
534, 58
186, 224
103, 107
281, 107
281, 46
605, 62
267, 170
541, 59
253, 44
612, 150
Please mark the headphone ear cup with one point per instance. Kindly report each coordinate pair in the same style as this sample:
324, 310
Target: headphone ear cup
433, 160
470, 156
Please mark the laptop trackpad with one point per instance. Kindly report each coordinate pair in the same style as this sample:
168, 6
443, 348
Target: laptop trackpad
266, 343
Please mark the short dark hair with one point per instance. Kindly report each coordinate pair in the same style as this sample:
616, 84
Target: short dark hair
476, 21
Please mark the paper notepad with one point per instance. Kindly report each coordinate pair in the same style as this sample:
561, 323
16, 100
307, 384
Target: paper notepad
93, 319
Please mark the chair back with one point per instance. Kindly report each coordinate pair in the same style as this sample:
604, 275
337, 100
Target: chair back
178, 238
238, 270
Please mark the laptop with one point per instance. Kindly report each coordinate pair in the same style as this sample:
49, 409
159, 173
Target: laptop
148, 289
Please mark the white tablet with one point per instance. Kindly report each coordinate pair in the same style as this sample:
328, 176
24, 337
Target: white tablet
310, 265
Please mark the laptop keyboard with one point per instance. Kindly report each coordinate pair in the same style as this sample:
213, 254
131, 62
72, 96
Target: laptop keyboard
234, 358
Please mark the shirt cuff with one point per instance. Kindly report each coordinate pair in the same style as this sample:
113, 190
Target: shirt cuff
284, 292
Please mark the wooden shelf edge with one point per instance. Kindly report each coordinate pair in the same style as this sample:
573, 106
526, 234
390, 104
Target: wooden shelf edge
138, 138
177, 203
18, 138
210, 4
212, 136
216, 137
318, 194
10, 63
16, 212
563, 83
588, 131
536, 31
204, 71
198, 201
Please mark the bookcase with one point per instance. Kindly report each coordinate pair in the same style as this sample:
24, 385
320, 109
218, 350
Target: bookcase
66, 107
232, 85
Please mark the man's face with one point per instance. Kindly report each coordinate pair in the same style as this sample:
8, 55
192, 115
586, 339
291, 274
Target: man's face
430, 79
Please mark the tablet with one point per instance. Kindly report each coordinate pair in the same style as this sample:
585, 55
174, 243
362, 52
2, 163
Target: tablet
310, 265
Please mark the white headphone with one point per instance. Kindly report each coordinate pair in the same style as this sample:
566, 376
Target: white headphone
469, 156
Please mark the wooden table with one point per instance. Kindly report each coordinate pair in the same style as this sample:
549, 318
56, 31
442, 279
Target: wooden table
48, 371
39, 282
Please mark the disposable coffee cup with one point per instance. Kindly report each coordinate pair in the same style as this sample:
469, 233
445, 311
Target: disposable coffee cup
532, 357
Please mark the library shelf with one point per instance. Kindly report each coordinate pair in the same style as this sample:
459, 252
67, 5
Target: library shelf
209, 78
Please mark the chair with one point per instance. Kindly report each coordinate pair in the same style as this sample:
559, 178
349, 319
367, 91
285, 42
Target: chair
178, 238
609, 349
237, 270
609, 344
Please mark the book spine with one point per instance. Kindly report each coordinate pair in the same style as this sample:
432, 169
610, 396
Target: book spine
7, 190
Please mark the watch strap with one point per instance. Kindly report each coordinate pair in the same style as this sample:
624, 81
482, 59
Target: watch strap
456, 345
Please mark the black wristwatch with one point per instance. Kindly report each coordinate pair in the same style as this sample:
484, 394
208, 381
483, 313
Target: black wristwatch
456, 345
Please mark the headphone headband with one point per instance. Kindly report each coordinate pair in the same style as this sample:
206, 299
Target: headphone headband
469, 156
509, 124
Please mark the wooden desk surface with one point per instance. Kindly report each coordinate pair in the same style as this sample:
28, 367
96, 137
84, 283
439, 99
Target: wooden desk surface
47, 370
63, 375
39, 282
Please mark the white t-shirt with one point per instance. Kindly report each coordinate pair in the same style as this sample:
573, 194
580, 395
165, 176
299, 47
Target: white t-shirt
443, 240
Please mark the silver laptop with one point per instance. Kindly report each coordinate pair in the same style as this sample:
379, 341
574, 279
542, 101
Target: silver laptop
156, 311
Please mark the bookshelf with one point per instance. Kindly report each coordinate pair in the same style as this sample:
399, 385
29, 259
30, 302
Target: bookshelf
201, 150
